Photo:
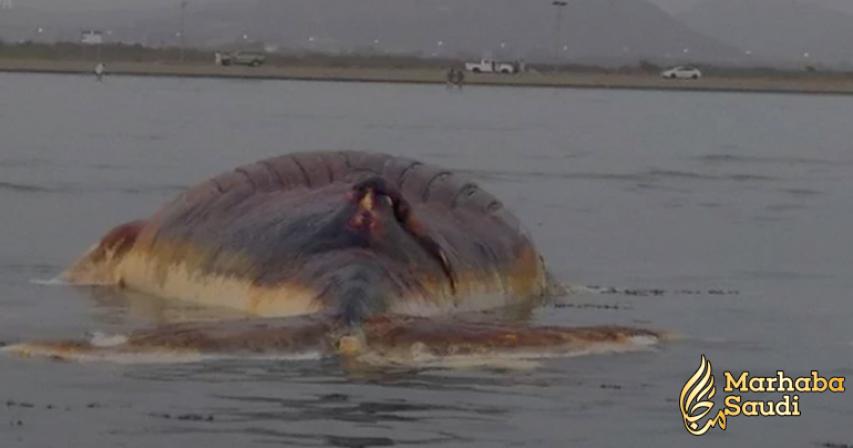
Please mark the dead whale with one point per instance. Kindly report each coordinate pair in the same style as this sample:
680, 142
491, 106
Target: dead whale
343, 253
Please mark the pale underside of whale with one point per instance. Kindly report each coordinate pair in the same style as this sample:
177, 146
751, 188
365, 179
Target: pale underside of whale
357, 254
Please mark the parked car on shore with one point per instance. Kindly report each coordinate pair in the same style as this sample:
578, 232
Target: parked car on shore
491, 66
249, 58
682, 72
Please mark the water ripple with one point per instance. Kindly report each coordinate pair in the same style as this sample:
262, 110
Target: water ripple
80, 188
742, 159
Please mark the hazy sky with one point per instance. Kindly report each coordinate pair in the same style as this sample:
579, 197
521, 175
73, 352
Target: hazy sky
677, 6
774, 31
674, 6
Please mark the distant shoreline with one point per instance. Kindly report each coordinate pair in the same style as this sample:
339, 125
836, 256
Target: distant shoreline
815, 83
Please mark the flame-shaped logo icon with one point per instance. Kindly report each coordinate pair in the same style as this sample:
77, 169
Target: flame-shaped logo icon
695, 401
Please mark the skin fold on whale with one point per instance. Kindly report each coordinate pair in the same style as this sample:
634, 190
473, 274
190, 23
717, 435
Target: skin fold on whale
333, 252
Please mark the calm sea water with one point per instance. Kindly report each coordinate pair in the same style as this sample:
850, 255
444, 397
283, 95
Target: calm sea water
690, 193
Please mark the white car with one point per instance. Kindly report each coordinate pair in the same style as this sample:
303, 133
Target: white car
490, 66
682, 72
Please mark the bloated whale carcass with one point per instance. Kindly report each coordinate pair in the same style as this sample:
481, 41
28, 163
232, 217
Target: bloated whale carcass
338, 252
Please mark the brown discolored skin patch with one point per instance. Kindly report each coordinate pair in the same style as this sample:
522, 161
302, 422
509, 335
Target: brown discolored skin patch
119, 240
282, 335
454, 338
98, 265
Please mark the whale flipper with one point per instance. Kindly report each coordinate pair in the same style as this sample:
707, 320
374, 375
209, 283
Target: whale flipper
391, 340
192, 341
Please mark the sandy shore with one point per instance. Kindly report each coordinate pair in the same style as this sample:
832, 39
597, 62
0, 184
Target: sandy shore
811, 83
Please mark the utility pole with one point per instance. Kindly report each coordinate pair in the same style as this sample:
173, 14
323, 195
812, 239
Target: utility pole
558, 26
184, 4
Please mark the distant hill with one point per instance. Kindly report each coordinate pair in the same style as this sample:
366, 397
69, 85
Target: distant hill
29, 23
793, 32
675, 6
603, 31
609, 32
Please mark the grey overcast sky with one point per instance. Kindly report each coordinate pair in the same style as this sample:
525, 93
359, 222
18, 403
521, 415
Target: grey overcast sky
674, 6
678, 6
763, 32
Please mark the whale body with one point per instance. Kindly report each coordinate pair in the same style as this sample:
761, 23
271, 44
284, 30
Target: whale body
340, 252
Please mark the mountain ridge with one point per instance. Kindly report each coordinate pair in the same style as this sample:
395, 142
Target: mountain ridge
611, 32
791, 33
